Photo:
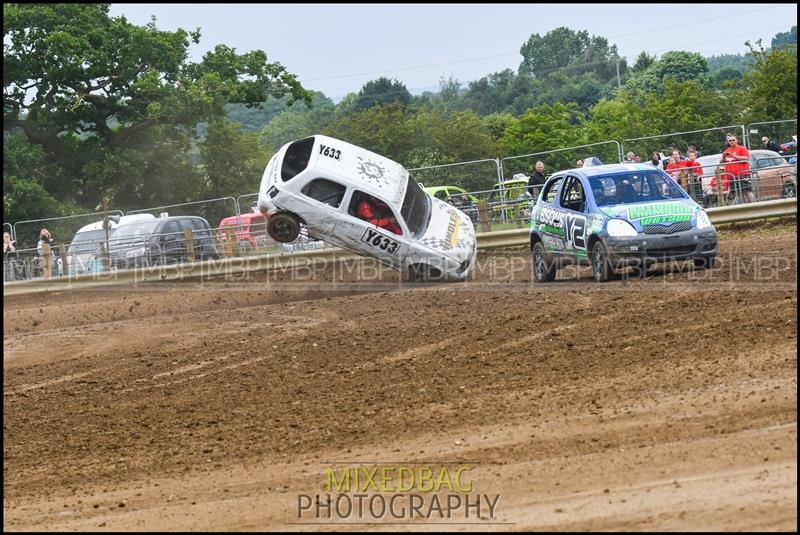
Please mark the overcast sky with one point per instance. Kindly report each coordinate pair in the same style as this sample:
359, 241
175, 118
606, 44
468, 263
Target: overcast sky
337, 48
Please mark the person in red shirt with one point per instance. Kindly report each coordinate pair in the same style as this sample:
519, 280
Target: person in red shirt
694, 171
737, 162
675, 166
373, 212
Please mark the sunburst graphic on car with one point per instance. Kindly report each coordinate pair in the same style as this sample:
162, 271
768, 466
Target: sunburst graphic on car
371, 171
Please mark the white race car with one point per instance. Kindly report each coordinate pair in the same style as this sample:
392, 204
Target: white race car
361, 201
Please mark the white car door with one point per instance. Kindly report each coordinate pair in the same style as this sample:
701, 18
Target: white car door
354, 233
319, 202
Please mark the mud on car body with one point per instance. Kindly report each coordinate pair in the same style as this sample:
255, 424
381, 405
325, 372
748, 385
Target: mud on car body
320, 182
614, 216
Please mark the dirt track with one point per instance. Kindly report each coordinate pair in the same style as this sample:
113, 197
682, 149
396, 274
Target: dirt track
668, 403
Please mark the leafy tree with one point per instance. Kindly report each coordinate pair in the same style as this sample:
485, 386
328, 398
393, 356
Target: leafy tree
683, 106
680, 66
298, 122
562, 47
727, 77
234, 160
25, 174
103, 97
545, 128
382, 91
643, 62
772, 84
741, 62
786, 38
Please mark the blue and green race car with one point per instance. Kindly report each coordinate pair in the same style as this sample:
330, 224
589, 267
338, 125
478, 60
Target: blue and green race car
616, 216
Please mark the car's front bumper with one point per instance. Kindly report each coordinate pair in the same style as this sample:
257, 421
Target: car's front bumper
662, 247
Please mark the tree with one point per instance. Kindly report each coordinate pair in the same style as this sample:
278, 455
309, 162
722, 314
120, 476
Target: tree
680, 66
643, 62
234, 160
565, 48
546, 128
771, 86
100, 96
680, 107
382, 91
786, 38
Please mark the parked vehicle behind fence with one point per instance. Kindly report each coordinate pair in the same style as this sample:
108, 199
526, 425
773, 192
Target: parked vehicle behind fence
161, 241
249, 231
772, 176
84, 251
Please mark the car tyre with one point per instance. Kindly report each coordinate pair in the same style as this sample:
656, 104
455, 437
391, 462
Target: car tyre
544, 269
601, 266
789, 190
283, 227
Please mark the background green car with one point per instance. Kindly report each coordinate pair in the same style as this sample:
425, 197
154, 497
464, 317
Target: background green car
449, 193
513, 198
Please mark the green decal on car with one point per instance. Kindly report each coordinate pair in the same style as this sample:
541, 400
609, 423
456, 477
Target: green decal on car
672, 212
550, 229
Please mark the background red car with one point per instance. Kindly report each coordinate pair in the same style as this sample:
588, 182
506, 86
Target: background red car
248, 230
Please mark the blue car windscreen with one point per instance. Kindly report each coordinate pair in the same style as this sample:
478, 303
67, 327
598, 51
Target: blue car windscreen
642, 186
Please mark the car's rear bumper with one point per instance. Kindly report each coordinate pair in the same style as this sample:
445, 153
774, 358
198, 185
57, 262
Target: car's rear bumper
662, 247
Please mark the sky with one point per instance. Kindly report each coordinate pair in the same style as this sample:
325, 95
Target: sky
337, 48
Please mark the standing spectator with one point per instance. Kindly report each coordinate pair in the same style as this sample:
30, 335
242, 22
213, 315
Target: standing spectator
630, 156
43, 248
655, 159
8, 243
675, 164
693, 148
11, 266
772, 145
579, 163
737, 162
695, 171
637, 158
536, 180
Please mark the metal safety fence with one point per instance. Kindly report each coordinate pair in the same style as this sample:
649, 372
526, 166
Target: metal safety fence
558, 159
706, 141
784, 132
470, 175
61, 229
212, 210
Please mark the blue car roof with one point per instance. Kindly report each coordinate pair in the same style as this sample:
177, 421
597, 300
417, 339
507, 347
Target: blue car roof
611, 169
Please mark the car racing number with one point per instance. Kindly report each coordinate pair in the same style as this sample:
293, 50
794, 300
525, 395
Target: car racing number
378, 240
576, 232
330, 152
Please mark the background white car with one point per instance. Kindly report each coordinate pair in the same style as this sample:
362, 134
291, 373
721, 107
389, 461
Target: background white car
324, 183
84, 248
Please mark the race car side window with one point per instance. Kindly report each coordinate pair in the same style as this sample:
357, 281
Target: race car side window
551, 189
371, 209
325, 191
572, 195
296, 158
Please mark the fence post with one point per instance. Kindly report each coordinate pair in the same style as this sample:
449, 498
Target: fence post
228, 242
720, 190
483, 216
105, 257
187, 236
64, 266
47, 261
